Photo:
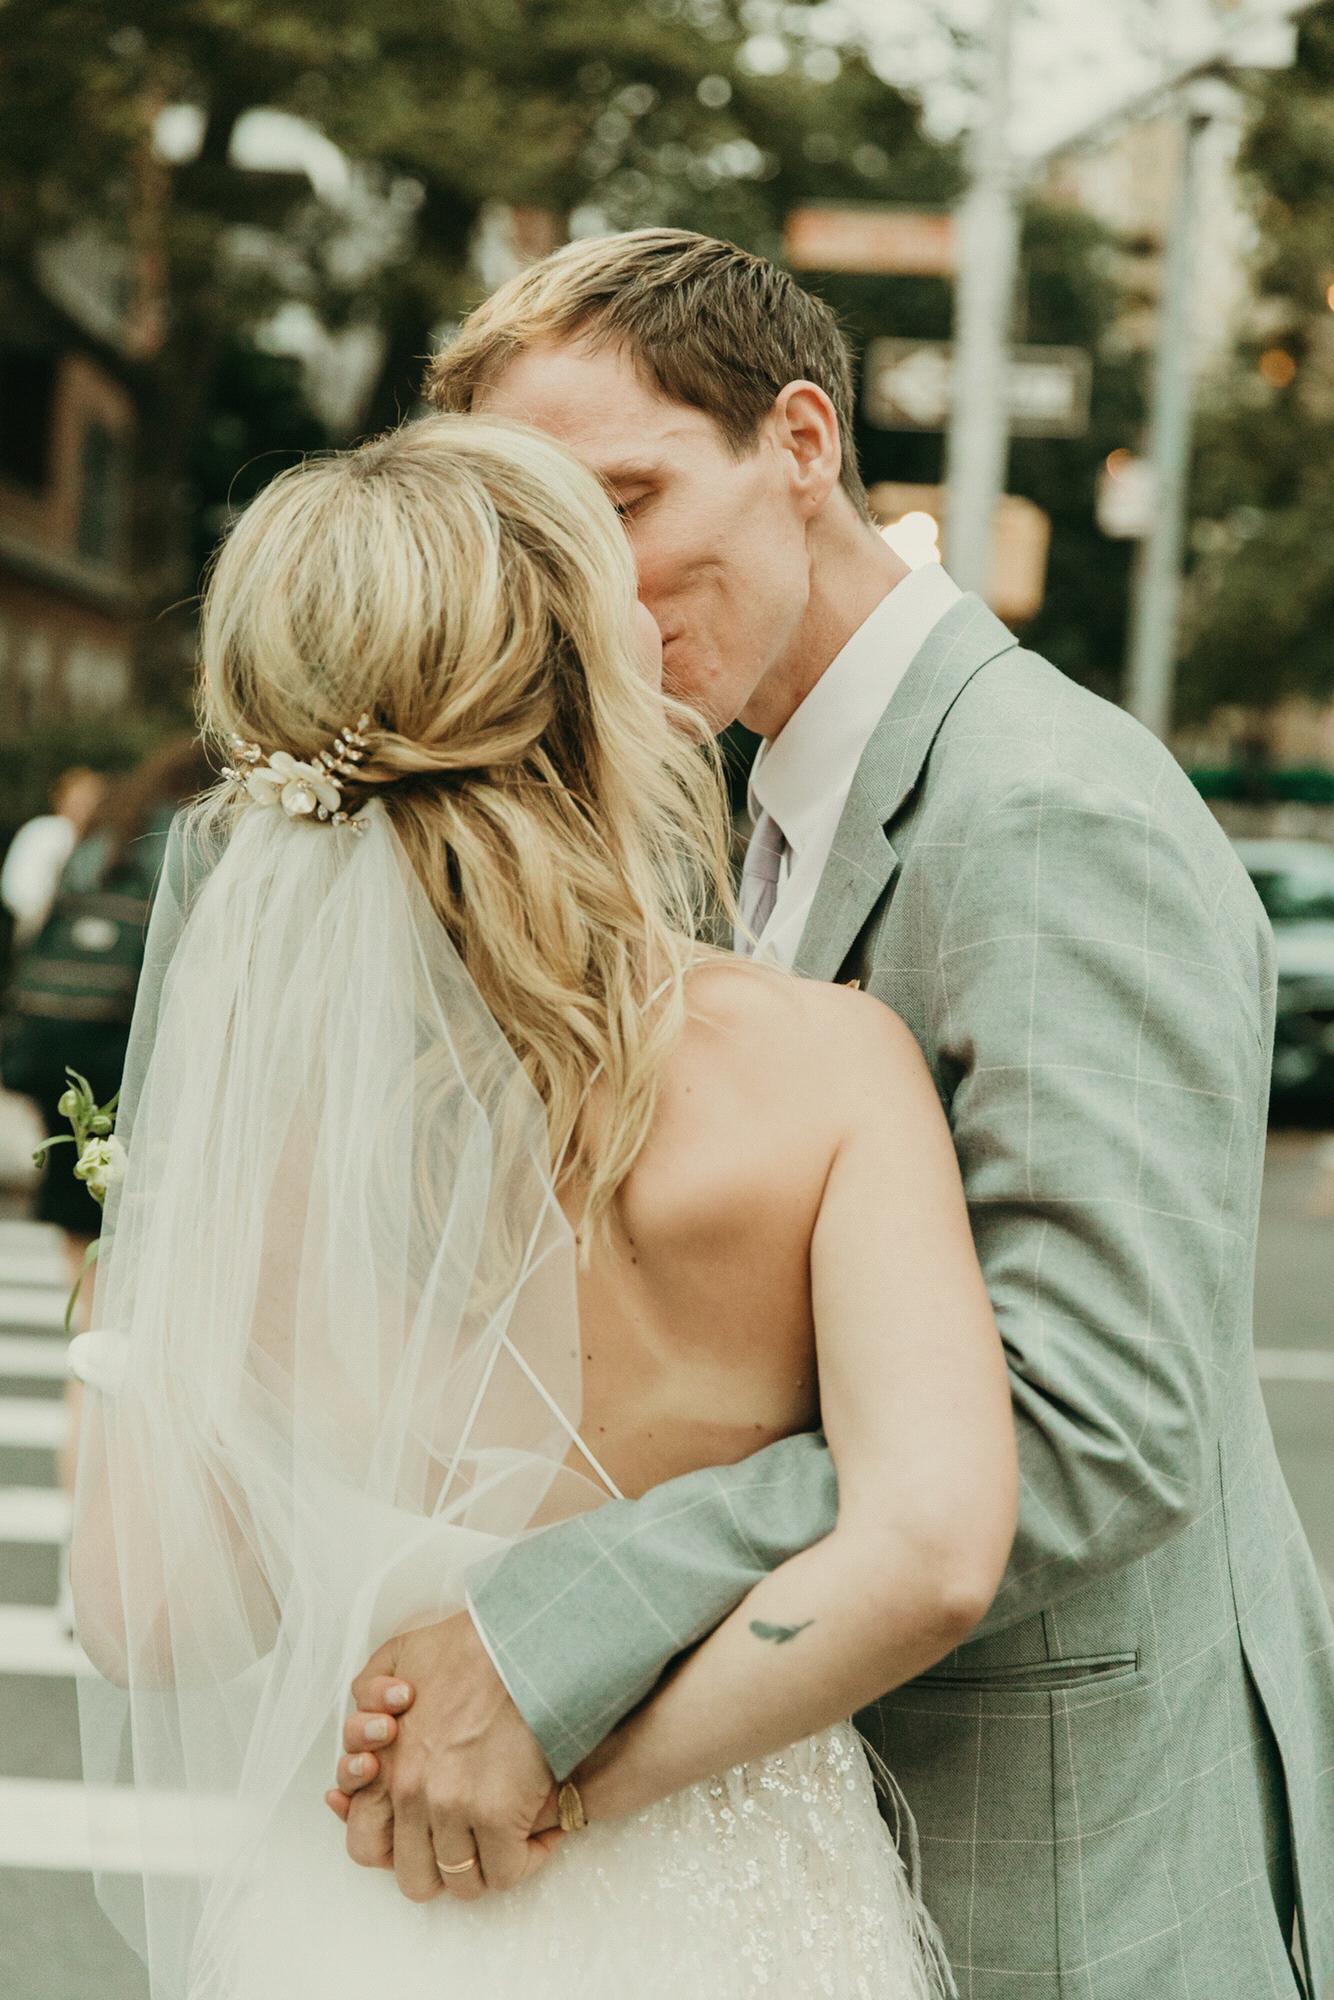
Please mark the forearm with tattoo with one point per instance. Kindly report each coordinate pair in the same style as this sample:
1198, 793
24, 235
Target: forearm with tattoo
780, 1634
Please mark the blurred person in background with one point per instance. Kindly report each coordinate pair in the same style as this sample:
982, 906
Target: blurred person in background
41, 847
72, 991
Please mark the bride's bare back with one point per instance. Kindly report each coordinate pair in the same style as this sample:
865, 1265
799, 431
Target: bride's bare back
699, 1339
798, 1196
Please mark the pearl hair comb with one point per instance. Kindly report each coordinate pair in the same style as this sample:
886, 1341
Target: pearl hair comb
304, 790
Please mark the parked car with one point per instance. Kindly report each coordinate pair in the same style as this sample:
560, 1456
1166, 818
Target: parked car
1295, 881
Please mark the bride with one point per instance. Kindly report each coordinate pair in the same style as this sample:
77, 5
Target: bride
465, 1189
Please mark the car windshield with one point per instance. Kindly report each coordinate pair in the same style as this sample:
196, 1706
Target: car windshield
1296, 895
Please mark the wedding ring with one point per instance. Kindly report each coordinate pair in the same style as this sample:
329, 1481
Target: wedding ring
457, 1867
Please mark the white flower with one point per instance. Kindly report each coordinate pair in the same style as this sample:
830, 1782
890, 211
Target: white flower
298, 788
98, 1359
101, 1164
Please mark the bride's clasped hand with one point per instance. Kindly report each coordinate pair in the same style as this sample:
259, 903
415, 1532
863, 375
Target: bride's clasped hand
470, 1772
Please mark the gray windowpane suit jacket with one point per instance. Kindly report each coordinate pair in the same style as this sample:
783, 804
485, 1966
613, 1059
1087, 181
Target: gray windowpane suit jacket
1114, 1777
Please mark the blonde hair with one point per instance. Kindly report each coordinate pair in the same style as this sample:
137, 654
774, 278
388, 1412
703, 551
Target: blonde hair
467, 582
713, 325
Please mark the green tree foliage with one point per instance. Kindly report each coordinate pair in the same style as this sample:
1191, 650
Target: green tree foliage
1262, 591
640, 113
713, 114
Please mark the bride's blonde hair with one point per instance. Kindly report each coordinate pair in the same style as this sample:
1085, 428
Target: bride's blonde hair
466, 582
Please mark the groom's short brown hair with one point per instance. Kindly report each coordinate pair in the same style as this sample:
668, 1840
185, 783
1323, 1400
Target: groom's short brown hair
715, 327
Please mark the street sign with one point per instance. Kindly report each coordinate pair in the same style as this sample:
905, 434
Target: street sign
888, 242
907, 385
908, 388
1021, 539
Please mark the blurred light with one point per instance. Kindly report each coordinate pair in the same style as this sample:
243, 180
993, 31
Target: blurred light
1278, 367
637, 98
178, 133
1329, 298
765, 55
589, 220
266, 141
915, 539
741, 159
870, 160
822, 65
1125, 496
714, 92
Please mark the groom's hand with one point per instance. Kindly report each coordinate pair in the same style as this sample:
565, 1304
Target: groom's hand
460, 1772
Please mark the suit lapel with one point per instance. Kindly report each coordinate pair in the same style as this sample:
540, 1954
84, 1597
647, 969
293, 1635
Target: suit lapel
862, 861
860, 867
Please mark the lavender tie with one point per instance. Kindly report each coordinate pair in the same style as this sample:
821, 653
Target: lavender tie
759, 878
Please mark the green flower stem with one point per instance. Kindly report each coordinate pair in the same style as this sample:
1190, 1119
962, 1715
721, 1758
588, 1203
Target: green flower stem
89, 1259
61, 1139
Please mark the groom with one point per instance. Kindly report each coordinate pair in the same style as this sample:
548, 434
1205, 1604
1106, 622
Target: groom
1124, 1781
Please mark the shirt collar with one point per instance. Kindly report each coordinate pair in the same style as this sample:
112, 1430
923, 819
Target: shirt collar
814, 757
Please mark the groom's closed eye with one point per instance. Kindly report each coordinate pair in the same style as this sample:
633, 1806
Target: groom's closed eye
629, 484
630, 499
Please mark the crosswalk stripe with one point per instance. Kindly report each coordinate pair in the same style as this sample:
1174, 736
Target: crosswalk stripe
1295, 1364
33, 1514
27, 1421
35, 1265
32, 1254
62, 1824
32, 1357
31, 1305
30, 1643
17, 1232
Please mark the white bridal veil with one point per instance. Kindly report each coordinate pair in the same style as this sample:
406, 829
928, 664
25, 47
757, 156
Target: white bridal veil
339, 1296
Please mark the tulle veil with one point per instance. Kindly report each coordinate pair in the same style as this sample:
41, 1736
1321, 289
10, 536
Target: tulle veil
338, 1353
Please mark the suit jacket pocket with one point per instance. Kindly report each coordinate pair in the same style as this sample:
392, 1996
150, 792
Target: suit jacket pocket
1041, 1676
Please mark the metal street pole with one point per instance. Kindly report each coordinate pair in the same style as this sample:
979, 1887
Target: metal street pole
978, 448
1155, 611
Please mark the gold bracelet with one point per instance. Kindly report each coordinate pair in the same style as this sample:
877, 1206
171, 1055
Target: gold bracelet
570, 1808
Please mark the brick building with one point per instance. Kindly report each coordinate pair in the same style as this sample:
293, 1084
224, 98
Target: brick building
67, 422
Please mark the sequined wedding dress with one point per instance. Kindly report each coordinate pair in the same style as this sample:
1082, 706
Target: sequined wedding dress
777, 1877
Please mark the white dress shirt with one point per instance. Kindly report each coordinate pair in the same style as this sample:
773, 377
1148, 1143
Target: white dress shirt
32, 870
802, 776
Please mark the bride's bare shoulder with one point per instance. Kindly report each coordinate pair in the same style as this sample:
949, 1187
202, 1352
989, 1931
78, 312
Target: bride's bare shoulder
803, 1034
772, 1074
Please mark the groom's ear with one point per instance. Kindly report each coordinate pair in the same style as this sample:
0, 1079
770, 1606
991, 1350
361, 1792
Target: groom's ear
804, 426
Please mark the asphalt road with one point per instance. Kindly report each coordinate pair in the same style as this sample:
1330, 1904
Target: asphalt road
55, 1944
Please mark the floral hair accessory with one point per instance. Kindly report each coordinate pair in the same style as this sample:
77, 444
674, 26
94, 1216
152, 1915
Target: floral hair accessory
304, 790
